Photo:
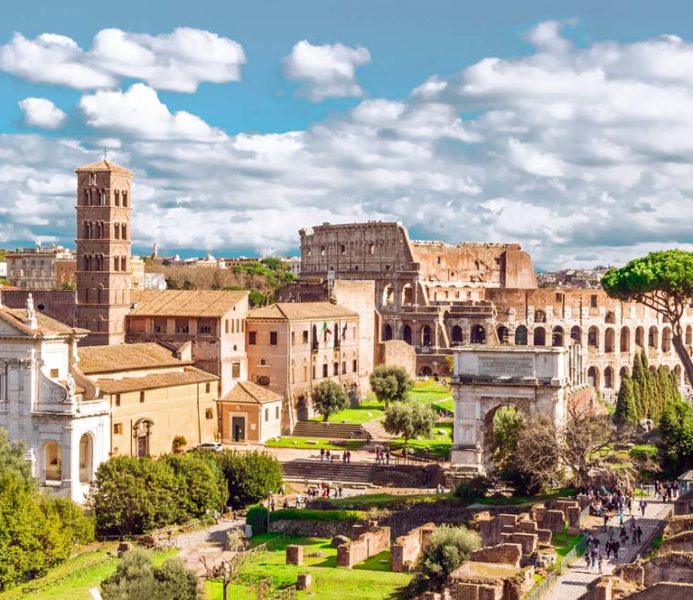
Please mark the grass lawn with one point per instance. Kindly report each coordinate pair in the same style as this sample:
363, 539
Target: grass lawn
368, 410
430, 392
392, 501
75, 577
313, 443
371, 580
438, 445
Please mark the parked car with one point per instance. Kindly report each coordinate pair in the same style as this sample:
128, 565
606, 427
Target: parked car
210, 447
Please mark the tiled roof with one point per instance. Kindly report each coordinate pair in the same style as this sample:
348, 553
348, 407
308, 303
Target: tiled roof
126, 357
46, 325
301, 310
245, 392
103, 166
189, 376
184, 303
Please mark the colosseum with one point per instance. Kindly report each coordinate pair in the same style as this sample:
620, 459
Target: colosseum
436, 296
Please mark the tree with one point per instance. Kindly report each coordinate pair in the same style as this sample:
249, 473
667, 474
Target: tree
251, 476
626, 412
328, 398
228, 569
507, 423
390, 384
676, 433
203, 487
409, 420
136, 578
12, 457
447, 548
663, 281
178, 444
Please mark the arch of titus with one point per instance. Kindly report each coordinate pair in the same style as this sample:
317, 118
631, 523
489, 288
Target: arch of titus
538, 381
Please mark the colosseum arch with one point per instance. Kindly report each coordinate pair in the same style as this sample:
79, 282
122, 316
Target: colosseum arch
593, 377
624, 372
625, 339
640, 337
609, 340
608, 378
503, 334
521, 336
666, 339
557, 336
456, 335
408, 294
388, 295
539, 336
576, 334
593, 337
426, 336
387, 332
653, 337
406, 334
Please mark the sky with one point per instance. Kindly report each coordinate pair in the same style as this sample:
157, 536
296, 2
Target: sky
564, 126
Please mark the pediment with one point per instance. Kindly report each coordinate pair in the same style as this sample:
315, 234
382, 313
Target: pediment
7, 327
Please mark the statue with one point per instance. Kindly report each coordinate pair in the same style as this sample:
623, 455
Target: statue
30, 310
71, 387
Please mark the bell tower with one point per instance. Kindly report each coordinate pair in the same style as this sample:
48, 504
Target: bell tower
104, 278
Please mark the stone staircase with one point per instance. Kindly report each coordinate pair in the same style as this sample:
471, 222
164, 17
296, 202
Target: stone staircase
315, 471
332, 431
376, 431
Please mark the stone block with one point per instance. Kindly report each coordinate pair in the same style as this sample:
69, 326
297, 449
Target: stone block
304, 581
545, 535
528, 541
294, 554
338, 540
506, 519
553, 520
505, 554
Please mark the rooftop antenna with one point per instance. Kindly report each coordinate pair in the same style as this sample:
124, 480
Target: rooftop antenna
105, 153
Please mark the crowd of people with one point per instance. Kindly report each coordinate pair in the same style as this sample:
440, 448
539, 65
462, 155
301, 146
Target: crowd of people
327, 456
667, 491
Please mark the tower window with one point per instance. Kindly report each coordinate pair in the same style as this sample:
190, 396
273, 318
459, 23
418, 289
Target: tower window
125, 198
116, 231
116, 263
123, 263
116, 195
124, 231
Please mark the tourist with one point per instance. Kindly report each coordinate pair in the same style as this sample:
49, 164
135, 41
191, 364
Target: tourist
638, 534
675, 487
588, 558
348, 455
606, 520
273, 505
387, 456
643, 506
344, 457
298, 500
327, 455
322, 453
285, 504
608, 547
633, 525
340, 492
623, 535
616, 547
282, 490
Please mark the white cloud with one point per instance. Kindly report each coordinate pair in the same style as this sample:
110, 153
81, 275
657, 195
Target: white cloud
139, 112
41, 112
326, 71
178, 61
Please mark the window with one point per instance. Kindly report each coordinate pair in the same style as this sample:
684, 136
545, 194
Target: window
267, 414
293, 338
142, 396
324, 370
305, 336
55, 373
226, 326
273, 338
123, 263
438, 259
322, 250
235, 370
276, 412
182, 326
559, 296
371, 249
342, 249
355, 365
205, 327
209, 414
252, 335
125, 198
335, 368
208, 387
117, 400
159, 325
593, 300
263, 362
124, 231
117, 428
344, 368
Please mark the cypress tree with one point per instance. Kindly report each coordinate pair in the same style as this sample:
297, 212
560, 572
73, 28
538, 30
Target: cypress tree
640, 383
626, 411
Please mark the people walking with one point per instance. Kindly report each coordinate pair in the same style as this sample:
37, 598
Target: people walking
643, 506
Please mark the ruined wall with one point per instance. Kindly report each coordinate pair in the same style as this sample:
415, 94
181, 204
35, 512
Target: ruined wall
366, 541
504, 554
681, 542
665, 591
406, 550
397, 353
678, 524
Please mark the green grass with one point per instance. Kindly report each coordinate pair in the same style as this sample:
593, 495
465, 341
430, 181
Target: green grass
75, 577
437, 446
370, 580
313, 443
390, 501
368, 410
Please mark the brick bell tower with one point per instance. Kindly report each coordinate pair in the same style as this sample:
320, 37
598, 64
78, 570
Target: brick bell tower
104, 278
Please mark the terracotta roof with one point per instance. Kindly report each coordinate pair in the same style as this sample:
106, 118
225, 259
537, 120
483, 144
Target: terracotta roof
103, 166
245, 392
184, 303
189, 375
301, 310
126, 357
46, 325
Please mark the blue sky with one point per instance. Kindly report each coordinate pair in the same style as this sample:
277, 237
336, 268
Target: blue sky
278, 149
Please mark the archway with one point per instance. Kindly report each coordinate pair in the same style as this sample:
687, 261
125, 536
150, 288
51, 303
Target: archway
625, 339
576, 334
608, 378
425, 371
388, 296
456, 335
52, 461
557, 336
593, 337
387, 332
593, 377
302, 408
677, 374
623, 372
521, 336
503, 334
478, 335
142, 433
666, 340
652, 337
609, 340
640, 336
408, 294
539, 336
86, 458
406, 334
504, 417
426, 336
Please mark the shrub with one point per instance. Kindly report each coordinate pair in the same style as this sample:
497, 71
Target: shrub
256, 517
643, 452
178, 444
251, 476
390, 384
306, 514
328, 397
203, 487
474, 488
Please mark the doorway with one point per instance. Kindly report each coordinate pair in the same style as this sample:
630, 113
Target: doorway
238, 429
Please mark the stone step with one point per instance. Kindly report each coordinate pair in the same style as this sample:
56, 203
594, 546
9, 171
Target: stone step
333, 431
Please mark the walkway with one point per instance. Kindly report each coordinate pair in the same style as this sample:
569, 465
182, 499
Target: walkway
573, 584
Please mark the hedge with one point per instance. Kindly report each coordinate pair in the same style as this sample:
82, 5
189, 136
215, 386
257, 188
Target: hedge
256, 516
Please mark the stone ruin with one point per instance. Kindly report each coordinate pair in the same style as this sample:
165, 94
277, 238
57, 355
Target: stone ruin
490, 581
408, 547
366, 540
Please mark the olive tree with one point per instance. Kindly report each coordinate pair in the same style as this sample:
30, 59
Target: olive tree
328, 398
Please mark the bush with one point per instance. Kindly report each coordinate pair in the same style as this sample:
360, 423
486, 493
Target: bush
643, 452
178, 444
256, 517
251, 476
203, 487
328, 398
306, 514
390, 384
474, 488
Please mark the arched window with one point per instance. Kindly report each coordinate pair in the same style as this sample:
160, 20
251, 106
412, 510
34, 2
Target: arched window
593, 377
625, 339
539, 336
609, 340
623, 373
521, 336
406, 334
388, 296
408, 294
677, 372
456, 335
142, 433
387, 332
608, 378
666, 340
52, 461
503, 334
539, 316
652, 337
557, 336
478, 335
576, 334
86, 459
640, 336
610, 317
689, 335
426, 336
593, 337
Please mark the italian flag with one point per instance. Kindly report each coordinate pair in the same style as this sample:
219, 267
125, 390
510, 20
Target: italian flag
325, 328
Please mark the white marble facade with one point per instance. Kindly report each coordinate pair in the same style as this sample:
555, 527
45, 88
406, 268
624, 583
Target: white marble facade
66, 435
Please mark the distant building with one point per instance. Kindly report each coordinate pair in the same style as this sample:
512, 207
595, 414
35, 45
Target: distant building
137, 268
293, 263
250, 413
3, 268
154, 281
41, 268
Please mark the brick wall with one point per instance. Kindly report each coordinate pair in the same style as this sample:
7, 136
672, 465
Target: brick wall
397, 353
366, 541
506, 554
407, 548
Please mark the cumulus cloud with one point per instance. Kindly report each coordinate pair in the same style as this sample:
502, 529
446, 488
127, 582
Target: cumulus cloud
583, 155
177, 61
41, 112
139, 112
326, 71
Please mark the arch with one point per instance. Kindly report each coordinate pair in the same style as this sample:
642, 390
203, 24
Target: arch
425, 371
609, 340
625, 339
489, 422
593, 377
593, 337
689, 335
539, 336
608, 378
387, 332
539, 316
302, 412
576, 334
521, 336
86, 458
52, 461
142, 432
610, 317
640, 336
408, 294
388, 296
677, 373
623, 372
426, 336
666, 339
478, 335
652, 337
406, 334
456, 335
503, 334
557, 336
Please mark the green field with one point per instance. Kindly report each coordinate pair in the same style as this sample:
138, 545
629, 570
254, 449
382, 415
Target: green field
370, 580
368, 410
74, 578
437, 446
313, 443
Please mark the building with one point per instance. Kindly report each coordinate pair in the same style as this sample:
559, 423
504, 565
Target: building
213, 321
41, 268
137, 270
292, 347
436, 297
104, 275
153, 396
250, 413
44, 404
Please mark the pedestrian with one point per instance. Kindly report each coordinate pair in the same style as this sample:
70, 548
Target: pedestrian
285, 504
340, 491
608, 548
588, 559
676, 489
387, 456
643, 506
273, 506
616, 547
322, 454
606, 520
349, 456
638, 533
